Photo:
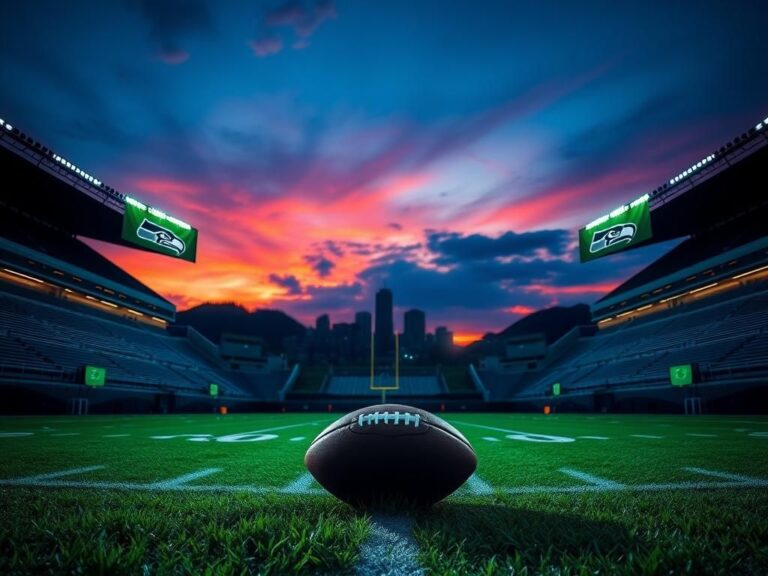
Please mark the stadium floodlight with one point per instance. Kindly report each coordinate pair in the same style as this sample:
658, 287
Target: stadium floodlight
24, 276
759, 126
707, 287
748, 273
618, 211
8, 126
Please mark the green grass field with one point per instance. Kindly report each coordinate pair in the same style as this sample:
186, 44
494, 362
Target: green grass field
563, 494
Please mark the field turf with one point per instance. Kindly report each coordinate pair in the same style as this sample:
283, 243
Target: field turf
561, 494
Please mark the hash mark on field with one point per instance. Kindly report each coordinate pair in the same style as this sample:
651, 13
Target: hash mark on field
478, 487
301, 485
723, 475
184, 479
594, 437
593, 480
701, 435
61, 473
649, 436
297, 439
491, 439
115, 435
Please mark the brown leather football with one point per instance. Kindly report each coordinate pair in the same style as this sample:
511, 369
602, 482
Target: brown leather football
390, 453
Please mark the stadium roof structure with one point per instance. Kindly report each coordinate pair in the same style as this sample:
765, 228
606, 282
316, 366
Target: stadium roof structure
62, 192
53, 193
719, 204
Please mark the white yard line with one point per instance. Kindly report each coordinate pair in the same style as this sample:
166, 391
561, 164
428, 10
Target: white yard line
297, 439
701, 435
301, 486
184, 479
723, 475
594, 437
533, 436
115, 435
592, 479
478, 487
61, 473
648, 436
390, 549
67, 434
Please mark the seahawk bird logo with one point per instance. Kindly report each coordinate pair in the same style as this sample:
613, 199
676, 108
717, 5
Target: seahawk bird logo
603, 239
160, 236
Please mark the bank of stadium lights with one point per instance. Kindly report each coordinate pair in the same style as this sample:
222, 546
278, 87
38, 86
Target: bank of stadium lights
158, 213
692, 169
82, 173
5, 124
618, 211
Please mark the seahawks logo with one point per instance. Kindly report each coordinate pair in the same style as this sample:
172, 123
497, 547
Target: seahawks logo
161, 236
603, 239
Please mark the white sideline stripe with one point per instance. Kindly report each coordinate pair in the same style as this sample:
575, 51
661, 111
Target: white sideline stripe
389, 549
651, 436
591, 479
491, 439
478, 487
594, 437
185, 478
67, 434
301, 485
61, 473
701, 435
115, 435
723, 475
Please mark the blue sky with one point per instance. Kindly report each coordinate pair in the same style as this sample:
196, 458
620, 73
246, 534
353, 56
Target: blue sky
327, 148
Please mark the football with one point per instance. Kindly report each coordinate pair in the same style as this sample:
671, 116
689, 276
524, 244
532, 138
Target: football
390, 453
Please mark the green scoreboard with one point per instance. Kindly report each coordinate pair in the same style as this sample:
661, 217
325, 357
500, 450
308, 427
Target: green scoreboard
213, 390
623, 228
556, 389
94, 376
157, 231
681, 375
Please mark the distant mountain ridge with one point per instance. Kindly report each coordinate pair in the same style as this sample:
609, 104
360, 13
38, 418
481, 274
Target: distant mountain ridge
212, 320
552, 322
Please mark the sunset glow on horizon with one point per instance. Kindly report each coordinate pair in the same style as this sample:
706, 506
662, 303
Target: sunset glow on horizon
327, 149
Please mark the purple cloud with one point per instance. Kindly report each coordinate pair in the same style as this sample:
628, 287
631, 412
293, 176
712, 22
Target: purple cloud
320, 264
266, 46
288, 281
301, 17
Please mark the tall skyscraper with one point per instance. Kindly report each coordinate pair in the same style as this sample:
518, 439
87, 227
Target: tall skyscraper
385, 334
415, 322
362, 336
323, 326
443, 339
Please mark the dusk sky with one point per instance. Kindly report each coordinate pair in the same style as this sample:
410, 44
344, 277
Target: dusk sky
325, 149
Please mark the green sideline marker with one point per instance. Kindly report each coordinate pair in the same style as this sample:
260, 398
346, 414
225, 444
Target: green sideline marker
95, 376
213, 390
681, 375
556, 389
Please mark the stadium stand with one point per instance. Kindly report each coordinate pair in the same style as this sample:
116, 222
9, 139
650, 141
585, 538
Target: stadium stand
361, 386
